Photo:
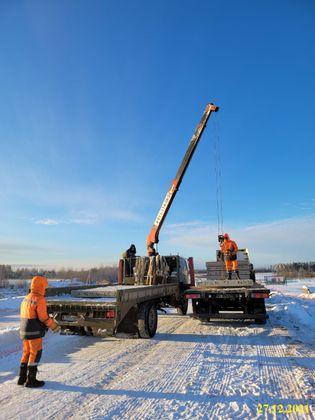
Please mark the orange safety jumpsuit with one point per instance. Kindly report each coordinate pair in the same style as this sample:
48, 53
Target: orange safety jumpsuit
229, 249
34, 321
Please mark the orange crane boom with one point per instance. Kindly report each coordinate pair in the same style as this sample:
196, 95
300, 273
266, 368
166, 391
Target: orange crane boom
153, 237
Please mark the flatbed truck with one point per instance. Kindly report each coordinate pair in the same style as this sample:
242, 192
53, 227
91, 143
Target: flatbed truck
130, 307
106, 311
215, 297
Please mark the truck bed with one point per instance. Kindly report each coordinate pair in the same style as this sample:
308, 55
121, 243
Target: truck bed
115, 294
229, 290
104, 309
232, 286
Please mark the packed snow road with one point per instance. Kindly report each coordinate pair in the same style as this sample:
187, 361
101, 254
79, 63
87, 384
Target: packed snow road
188, 370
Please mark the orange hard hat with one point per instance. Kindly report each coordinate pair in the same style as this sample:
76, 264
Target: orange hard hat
226, 236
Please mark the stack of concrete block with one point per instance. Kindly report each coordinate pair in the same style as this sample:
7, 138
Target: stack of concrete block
216, 270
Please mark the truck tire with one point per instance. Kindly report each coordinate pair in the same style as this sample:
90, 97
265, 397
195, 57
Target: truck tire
200, 307
147, 320
259, 309
260, 321
88, 331
182, 308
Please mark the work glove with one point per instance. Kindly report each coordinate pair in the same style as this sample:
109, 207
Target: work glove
55, 328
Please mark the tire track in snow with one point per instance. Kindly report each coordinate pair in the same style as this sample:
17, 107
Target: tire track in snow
189, 370
114, 363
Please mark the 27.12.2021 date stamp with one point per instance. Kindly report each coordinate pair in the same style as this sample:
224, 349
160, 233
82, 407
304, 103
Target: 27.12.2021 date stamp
284, 409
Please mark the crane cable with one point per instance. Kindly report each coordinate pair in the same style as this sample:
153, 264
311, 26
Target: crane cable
218, 179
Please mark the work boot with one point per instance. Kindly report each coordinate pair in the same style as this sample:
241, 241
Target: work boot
237, 274
229, 275
31, 381
23, 374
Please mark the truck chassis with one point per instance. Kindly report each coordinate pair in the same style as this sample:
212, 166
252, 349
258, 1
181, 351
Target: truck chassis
106, 311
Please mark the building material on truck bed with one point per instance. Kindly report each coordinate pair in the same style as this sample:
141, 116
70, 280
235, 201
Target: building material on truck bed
224, 283
217, 297
216, 270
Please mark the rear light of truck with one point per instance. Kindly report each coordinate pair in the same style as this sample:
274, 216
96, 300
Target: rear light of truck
260, 295
192, 296
110, 314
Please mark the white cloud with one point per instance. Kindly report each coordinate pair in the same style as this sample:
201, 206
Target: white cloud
269, 243
83, 217
47, 222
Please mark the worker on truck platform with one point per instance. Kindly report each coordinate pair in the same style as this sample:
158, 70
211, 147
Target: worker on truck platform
34, 324
130, 252
229, 249
130, 255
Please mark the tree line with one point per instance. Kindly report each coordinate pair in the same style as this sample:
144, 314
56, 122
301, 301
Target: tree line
88, 275
99, 274
295, 269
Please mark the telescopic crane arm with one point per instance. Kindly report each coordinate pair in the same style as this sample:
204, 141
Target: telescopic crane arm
153, 237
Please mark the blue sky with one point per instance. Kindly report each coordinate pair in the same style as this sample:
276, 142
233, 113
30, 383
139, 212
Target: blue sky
98, 102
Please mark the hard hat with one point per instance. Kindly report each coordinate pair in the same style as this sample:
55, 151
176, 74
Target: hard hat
226, 236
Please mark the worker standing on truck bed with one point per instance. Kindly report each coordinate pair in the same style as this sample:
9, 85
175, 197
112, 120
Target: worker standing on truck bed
34, 323
130, 252
130, 255
229, 249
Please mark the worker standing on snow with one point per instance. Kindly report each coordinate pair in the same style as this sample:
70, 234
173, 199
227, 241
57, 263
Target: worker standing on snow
34, 323
229, 249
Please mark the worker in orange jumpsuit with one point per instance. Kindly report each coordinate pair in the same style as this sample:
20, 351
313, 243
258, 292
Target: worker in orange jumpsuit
229, 249
34, 323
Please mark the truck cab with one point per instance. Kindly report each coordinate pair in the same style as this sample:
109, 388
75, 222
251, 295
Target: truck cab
159, 270
165, 269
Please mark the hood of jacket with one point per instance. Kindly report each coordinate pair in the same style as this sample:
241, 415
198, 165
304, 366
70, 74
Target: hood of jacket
39, 285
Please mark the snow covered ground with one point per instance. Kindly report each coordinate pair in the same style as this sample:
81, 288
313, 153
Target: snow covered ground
190, 369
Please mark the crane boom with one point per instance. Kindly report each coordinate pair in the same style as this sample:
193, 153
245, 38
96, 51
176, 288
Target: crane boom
153, 237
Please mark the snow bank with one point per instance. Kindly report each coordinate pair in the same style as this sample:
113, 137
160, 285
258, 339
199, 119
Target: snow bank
10, 341
10, 302
296, 313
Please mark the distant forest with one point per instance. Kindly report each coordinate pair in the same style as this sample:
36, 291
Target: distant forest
91, 275
295, 269
99, 274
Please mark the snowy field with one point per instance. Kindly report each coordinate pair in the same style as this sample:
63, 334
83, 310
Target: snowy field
189, 370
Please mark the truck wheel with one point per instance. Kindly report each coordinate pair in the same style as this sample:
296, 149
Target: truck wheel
260, 321
183, 307
88, 331
259, 309
147, 320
